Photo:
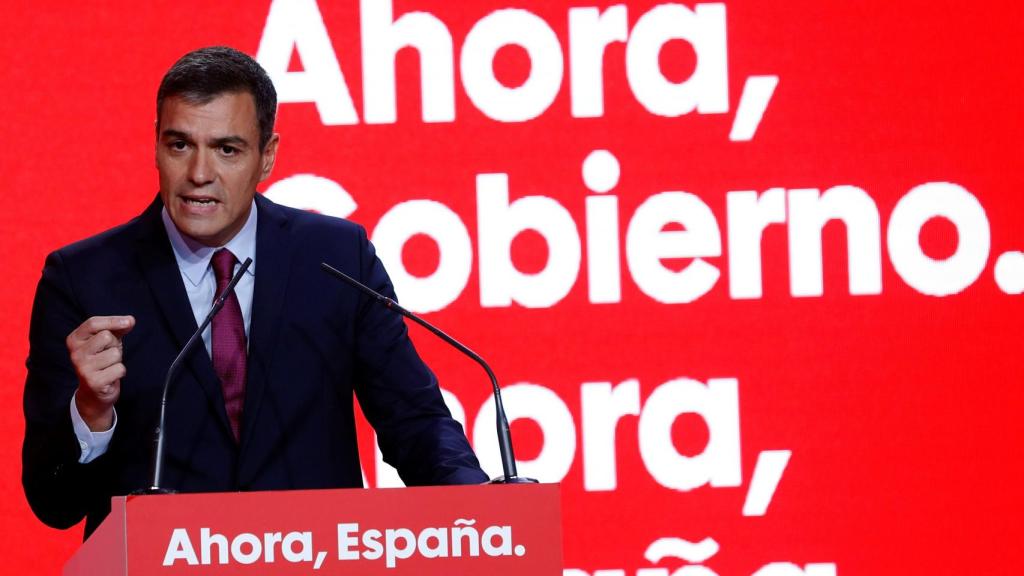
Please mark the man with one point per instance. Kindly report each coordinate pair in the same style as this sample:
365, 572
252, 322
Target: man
268, 403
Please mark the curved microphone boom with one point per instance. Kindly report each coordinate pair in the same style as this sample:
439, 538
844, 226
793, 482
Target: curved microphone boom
508, 459
158, 434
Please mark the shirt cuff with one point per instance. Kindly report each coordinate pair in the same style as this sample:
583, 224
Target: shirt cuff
93, 444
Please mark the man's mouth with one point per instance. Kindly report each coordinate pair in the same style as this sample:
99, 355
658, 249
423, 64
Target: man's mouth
199, 201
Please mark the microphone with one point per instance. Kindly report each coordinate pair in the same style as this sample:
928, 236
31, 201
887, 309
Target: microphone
508, 459
158, 434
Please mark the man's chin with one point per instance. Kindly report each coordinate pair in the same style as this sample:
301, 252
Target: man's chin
201, 232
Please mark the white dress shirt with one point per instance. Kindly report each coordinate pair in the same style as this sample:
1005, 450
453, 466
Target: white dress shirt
201, 286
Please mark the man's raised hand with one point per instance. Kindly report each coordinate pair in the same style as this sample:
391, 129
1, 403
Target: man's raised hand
96, 351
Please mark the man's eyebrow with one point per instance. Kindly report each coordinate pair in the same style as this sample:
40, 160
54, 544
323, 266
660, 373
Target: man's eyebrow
232, 140
236, 141
177, 134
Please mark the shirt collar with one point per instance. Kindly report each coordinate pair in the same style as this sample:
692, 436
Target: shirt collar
194, 257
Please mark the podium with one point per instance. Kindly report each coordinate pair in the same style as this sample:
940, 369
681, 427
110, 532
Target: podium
449, 530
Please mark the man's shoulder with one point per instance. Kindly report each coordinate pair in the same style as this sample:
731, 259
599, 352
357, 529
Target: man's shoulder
310, 224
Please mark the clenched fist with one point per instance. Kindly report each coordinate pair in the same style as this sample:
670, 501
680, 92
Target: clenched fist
96, 352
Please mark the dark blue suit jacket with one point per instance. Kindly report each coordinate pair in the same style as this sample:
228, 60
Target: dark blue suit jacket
313, 342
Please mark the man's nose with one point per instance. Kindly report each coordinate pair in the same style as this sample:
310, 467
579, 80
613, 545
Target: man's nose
201, 170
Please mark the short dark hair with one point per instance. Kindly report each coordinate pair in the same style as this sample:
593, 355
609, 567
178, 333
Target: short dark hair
202, 75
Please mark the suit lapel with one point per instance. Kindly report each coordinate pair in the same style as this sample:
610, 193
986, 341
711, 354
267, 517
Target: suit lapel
155, 258
273, 264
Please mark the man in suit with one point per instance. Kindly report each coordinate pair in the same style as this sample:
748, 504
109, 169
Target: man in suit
269, 403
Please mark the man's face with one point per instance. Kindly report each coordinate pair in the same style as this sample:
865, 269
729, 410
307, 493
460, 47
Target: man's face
209, 161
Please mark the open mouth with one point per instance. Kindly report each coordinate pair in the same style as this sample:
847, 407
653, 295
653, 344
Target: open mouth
199, 201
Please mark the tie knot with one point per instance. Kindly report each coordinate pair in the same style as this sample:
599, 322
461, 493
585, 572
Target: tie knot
223, 265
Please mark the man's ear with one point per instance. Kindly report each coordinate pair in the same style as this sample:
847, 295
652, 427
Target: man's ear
268, 156
156, 142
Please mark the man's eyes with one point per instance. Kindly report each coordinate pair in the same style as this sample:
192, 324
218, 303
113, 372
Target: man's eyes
224, 149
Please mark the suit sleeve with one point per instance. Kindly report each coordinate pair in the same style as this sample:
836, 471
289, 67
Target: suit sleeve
400, 395
59, 489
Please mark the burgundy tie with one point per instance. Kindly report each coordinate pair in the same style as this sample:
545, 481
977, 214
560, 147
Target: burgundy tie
229, 350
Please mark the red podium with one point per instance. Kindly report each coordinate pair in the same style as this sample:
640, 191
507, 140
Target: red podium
447, 530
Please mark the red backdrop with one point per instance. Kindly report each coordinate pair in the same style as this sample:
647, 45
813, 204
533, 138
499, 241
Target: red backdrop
863, 420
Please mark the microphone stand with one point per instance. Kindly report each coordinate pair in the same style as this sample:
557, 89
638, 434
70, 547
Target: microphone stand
508, 460
158, 434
